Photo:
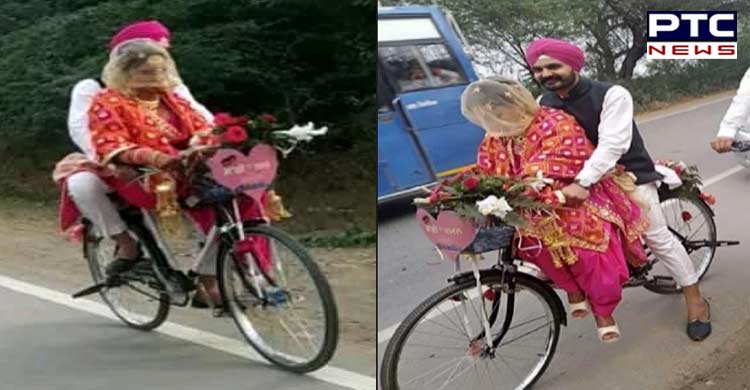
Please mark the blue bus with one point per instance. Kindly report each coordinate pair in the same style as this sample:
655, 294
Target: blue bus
421, 72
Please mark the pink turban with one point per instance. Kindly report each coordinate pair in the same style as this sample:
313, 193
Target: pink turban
562, 51
149, 29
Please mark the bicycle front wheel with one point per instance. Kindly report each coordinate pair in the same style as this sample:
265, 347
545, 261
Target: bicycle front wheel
292, 321
436, 346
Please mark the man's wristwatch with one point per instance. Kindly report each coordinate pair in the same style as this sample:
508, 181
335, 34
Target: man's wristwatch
583, 183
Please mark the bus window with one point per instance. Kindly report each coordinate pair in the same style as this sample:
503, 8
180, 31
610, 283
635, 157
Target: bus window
442, 66
422, 66
384, 94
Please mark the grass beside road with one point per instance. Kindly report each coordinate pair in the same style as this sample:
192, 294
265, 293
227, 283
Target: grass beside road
331, 196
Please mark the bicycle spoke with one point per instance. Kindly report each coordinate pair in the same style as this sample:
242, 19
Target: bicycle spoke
439, 335
525, 334
462, 333
461, 328
435, 369
452, 376
437, 346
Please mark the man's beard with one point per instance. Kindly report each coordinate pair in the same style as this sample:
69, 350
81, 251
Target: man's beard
556, 83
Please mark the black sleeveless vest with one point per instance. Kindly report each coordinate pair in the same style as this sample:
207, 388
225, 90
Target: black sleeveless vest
585, 104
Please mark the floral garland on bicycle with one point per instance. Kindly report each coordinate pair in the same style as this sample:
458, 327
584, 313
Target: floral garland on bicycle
243, 133
691, 181
485, 199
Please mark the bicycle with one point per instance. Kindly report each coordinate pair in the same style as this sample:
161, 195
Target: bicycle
286, 312
465, 331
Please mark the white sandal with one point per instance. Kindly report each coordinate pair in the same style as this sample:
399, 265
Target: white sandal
579, 306
603, 331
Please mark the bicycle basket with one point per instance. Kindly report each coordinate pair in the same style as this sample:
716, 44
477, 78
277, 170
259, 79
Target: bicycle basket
491, 238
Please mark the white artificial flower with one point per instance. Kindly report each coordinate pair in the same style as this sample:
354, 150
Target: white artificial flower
540, 182
303, 133
491, 205
421, 201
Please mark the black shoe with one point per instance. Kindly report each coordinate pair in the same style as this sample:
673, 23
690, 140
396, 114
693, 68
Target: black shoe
698, 330
198, 302
120, 266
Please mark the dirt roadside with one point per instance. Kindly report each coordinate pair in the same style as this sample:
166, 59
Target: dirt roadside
726, 368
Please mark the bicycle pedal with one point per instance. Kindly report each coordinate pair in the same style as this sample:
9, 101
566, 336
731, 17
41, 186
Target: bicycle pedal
89, 290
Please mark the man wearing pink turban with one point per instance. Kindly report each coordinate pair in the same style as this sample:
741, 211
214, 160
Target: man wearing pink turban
605, 111
87, 190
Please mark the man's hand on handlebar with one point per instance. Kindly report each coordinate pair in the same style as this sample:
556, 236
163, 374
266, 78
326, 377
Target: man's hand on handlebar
722, 144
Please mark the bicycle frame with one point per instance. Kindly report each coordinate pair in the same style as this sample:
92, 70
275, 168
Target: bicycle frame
223, 227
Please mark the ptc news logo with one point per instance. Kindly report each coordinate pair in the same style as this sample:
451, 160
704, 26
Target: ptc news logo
691, 35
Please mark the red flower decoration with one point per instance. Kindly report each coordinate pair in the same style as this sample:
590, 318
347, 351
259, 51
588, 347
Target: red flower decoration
240, 121
224, 119
686, 216
235, 135
471, 183
268, 118
434, 198
708, 198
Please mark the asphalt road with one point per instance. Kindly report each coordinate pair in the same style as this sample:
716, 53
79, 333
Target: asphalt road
49, 346
655, 353
50, 341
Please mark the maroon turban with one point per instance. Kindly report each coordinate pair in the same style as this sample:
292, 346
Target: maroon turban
562, 51
148, 29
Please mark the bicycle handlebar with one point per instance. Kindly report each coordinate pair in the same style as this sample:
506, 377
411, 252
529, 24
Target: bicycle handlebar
741, 146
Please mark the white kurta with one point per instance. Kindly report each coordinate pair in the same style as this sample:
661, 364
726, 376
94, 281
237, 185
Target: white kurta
738, 113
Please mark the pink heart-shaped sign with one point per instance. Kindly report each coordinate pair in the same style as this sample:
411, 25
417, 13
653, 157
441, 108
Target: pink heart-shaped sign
252, 174
450, 233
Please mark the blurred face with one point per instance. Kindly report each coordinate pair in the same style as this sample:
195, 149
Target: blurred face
553, 75
150, 76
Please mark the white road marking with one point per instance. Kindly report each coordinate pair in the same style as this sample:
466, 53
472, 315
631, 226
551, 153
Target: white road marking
336, 376
723, 175
669, 114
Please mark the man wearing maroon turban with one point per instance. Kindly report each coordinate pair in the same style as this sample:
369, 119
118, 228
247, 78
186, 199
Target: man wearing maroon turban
605, 111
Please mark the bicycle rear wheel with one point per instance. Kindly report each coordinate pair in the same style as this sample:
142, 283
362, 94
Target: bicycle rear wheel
692, 222
136, 298
434, 348
295, 324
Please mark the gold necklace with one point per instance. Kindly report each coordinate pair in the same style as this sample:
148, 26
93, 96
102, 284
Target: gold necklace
149, 105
